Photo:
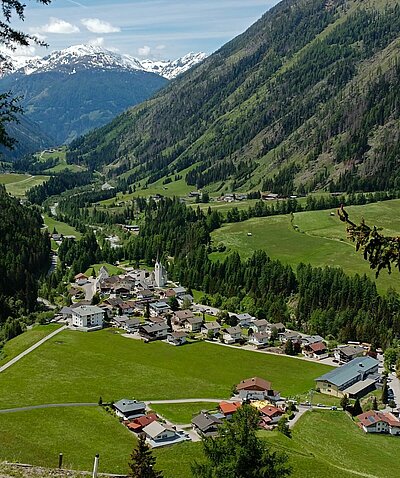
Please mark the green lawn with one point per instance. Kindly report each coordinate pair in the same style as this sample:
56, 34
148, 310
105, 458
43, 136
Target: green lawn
324, 444
320, 239
15, 346
112, 270
79, 367
182, 412
38, 436
21, 186
61, 227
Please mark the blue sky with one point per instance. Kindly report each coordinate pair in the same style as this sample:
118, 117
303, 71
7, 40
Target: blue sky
143, 28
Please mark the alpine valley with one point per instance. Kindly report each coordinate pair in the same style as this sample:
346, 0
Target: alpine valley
307, 98
75, 90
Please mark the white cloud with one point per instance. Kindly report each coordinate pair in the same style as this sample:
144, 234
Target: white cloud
95, 25
56, 25
144, 50
161, 47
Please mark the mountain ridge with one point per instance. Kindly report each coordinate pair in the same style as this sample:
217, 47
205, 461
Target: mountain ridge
248, 115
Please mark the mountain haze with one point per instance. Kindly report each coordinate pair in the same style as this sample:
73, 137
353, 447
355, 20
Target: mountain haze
306, 98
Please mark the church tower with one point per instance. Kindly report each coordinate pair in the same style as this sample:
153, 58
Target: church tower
160, 275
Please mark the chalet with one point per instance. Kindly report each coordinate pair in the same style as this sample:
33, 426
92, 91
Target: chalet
311, 339
346, 353
232, 334
354, 379
88, 317
137, 424
129, 409
126, 307
278, 326
179, 291
145, 294
176, 338
379, 422
185, 298
259, 325
254, 388
154, 331
211, 327
317, 351
193, 324
157, 308
289, 335
132, 325
158, 434
244, 320
81, 279
229, 408
259, 339
206, 425
271, 415
181, 315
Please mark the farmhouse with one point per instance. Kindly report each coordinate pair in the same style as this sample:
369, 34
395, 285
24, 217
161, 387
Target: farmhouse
229, 408
379, 422
129, 409
354, 379
232, 334
206, 425
87, 317
315, 350
271, 415
244, 320
256, 388
81, 279
181, 315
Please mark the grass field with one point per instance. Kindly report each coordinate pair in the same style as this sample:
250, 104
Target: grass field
15, 346
62, 165
112, 270
320, 239
19, 184
79, 367
324, 444
61, 227
182, 412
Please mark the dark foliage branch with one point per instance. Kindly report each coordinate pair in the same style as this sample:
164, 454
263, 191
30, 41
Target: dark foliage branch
11, 38
382, 252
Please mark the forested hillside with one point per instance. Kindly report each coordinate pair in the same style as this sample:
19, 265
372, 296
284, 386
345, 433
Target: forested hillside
306, 98
24, 255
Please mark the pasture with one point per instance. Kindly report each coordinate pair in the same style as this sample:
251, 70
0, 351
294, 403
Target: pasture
18, 184
324, 444
81, 367
60, 227
315, 237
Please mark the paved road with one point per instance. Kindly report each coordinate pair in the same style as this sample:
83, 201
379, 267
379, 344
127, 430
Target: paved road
394, 384
50, 405
31, 349
90, 289
188, 400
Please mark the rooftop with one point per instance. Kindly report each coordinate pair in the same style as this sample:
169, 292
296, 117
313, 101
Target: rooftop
257, 382
356, 367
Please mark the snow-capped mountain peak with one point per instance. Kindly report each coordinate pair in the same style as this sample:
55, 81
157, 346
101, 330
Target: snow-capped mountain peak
91, 56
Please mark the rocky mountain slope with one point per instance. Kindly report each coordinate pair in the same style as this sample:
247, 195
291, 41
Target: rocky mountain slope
307, 98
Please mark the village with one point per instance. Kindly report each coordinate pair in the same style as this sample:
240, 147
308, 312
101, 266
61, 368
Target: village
144, 305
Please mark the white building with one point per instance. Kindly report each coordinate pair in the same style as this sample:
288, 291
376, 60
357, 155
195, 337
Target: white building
160, 275
87, 316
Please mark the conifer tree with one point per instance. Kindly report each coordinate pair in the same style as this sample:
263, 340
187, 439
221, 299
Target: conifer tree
357, 410
142, 461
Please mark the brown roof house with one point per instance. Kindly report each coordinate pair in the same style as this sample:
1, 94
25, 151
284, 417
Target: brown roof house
256, 388
316, 351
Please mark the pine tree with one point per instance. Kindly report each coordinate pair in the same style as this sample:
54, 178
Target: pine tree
142, 461
384, 393
344, 402
357, 410
374, 404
